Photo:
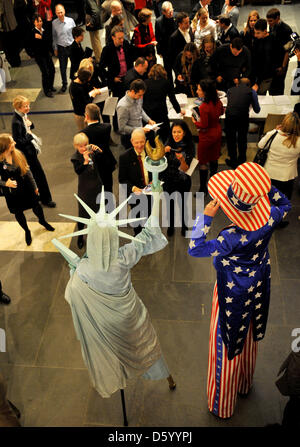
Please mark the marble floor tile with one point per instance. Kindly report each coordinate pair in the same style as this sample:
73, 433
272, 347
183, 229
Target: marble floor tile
59, 346
49, 397
13, 238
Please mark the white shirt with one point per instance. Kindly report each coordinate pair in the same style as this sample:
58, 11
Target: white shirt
281, 163
186, 35
209, 29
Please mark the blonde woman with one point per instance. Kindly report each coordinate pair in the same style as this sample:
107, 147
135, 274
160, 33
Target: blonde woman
87, 161
203, 26
283, 154
248, 34
29, 144
20, 191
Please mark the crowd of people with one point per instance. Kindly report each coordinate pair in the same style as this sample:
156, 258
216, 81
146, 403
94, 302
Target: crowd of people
203, 55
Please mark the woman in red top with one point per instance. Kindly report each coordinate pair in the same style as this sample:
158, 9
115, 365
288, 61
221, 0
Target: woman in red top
143, 34
210, 132
44, 9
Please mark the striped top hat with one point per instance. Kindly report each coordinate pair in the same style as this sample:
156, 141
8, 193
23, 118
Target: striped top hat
243, 195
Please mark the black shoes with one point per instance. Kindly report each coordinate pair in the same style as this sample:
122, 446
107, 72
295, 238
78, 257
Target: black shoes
80, 242
283, 224
49, 204
47, 226
170, 231
63, 89
15, 409
49, 94
231, 163
4, 299
53, 90
184, 229
28, 238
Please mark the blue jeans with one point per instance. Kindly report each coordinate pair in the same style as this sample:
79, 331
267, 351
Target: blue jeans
63, 56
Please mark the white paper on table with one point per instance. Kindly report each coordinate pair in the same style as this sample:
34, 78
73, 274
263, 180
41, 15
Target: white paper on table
265, 100
172, 115
102, 97
282, 100
110, 106
182, 99
153, 126
192, 167
286, 109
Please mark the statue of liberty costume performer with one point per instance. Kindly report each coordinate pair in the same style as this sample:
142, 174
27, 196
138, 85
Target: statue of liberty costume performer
118, 341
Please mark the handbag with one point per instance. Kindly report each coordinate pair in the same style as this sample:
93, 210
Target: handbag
262, 153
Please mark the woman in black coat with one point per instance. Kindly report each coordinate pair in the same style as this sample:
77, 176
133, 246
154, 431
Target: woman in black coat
154, 100
81, 94
21, 192
183, 69
87, 162
180, 151
25, 142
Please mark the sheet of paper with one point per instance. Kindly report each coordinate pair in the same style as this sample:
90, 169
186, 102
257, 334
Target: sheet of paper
153, 126
110, 106
192, 167
173, 115
281, 100
182, 98
102, 97
265, 100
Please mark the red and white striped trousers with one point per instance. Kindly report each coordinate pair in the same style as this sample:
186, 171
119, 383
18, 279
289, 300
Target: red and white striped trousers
225, 377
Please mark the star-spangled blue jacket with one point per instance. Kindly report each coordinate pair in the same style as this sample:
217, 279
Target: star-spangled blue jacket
242, 262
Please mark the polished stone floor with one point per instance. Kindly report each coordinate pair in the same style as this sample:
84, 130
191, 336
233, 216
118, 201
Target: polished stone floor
46, 377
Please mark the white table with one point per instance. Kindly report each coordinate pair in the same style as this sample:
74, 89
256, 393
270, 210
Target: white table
280, 105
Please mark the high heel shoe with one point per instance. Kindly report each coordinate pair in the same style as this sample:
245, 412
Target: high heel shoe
80, 242
172, 384
47, 226
28, 238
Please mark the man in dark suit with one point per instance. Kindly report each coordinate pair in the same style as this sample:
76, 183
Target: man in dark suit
41, 47
76, 50
180, 37
206, 4
116, 60
229, 31
113, 70
165, 26
133, 174
99, 134
137, 72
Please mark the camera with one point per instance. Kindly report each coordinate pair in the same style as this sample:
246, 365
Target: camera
292, 44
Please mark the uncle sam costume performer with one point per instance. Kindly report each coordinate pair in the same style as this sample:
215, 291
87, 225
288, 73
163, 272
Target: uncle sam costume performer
242, 290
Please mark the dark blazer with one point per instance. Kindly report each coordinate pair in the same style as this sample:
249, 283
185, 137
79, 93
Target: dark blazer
130, 172
177, 43
154, 100
93, 12
229, 35
109, 62
40, 47
132, 75
23, 139
24, 143
79, 94
76, 56
164, 28
99, 134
